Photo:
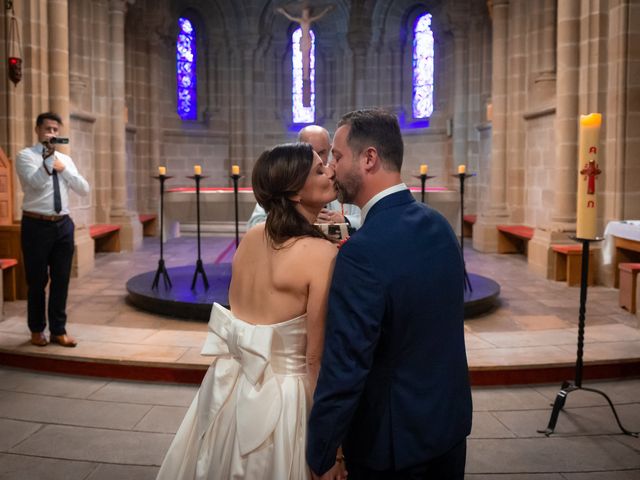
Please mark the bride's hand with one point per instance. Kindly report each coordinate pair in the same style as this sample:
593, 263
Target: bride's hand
337, 472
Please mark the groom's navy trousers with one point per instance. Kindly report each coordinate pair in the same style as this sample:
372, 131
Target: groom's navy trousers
394, 387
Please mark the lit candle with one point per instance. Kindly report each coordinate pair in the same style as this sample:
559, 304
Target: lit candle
588, 171
235, 170
462, 169
197, 170
162, 170
424, 169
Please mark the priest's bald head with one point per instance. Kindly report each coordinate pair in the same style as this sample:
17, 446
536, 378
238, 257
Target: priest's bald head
319, 139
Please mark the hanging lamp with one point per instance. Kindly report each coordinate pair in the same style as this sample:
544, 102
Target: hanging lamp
15, 47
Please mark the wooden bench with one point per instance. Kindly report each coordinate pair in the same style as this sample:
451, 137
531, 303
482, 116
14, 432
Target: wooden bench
106, 237
513, 238
567, 264
628, 285
467, 224
9, 289
149, 223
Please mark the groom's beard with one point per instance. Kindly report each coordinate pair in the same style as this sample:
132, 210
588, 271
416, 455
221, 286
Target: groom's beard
349, 187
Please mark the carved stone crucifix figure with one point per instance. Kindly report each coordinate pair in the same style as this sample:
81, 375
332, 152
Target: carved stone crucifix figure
305, 21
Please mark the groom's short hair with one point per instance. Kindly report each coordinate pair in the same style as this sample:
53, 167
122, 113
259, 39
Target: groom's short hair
377, 128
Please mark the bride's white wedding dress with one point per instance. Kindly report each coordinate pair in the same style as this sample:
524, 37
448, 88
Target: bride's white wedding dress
249, 418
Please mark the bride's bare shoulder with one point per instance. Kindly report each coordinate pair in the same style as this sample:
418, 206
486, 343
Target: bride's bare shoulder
316, 247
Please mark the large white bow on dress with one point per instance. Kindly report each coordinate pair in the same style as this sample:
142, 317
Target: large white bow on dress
259, 399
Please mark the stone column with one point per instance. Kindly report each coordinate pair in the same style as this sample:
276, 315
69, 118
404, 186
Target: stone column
359, 75
460, 95
359, 37
59, 102
563, 214
485, 235
58, 40
131, 229
79, 51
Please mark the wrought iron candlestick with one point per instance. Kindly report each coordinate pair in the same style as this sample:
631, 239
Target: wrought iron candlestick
162, 270
235, 177
423, 181
463, 177
199, 267
568, 386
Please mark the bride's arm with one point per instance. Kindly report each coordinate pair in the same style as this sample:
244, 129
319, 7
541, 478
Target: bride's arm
320, 267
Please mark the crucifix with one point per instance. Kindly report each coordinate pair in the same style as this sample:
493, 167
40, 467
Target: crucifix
305, 21
591, 171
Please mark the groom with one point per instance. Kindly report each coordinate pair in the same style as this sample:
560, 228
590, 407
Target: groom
393, 387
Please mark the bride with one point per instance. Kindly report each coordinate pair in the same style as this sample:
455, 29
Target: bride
249, 418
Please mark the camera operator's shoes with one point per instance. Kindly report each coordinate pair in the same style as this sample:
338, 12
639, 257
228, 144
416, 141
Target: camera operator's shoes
64, 340
38, 339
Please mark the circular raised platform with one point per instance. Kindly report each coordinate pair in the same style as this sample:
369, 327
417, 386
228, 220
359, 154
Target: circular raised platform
180, 301
482, 297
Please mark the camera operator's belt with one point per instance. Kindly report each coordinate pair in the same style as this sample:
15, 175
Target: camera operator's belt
46, 218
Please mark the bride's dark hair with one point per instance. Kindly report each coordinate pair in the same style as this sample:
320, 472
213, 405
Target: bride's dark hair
278, 175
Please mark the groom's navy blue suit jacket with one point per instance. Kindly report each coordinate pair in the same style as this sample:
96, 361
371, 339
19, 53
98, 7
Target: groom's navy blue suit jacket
393, 386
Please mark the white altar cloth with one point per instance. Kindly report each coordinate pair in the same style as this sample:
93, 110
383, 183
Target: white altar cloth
629, 229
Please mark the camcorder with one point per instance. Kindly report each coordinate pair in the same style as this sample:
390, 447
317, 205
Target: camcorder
58, 141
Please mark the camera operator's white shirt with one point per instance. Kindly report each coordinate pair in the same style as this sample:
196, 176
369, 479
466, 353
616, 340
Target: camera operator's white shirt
37, 184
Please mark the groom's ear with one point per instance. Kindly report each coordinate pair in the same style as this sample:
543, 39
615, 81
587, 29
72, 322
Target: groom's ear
371, 158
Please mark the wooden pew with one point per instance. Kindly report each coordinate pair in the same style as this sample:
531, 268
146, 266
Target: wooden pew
513, 238
628, 285
149, 223
467, 224
106, 237
9, 286
567, 264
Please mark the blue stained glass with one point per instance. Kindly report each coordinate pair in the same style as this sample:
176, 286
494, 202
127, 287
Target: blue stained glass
302, 113
423, 67
186, 71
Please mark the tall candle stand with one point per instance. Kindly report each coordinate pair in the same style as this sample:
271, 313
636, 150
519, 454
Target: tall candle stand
235, 177
568, 386
199, 267
162, 270
463, 177
423, 181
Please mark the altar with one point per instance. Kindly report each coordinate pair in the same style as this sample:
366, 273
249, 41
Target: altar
621, 244
217, 212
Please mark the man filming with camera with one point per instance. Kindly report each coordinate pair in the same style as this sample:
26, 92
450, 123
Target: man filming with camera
47, 230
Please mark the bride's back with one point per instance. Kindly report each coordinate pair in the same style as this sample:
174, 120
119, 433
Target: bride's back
271, 285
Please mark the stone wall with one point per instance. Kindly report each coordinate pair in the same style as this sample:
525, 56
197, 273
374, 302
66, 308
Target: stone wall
539, 64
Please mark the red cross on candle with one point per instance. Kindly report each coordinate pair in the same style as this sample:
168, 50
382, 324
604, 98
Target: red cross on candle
591, 171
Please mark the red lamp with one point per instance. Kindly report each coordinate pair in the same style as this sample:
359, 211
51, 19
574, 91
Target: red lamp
15, 69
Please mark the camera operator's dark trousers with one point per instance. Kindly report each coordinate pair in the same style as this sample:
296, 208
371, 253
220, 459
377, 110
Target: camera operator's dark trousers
449, 466
47, 249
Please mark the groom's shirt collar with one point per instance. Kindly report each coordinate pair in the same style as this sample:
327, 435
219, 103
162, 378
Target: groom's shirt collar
379, 196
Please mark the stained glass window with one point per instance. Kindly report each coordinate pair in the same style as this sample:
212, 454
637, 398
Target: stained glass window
303, 111
423, 67
186, 71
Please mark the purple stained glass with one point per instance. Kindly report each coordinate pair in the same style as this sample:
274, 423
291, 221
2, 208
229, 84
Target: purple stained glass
302, 113
186, 71
423, 67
